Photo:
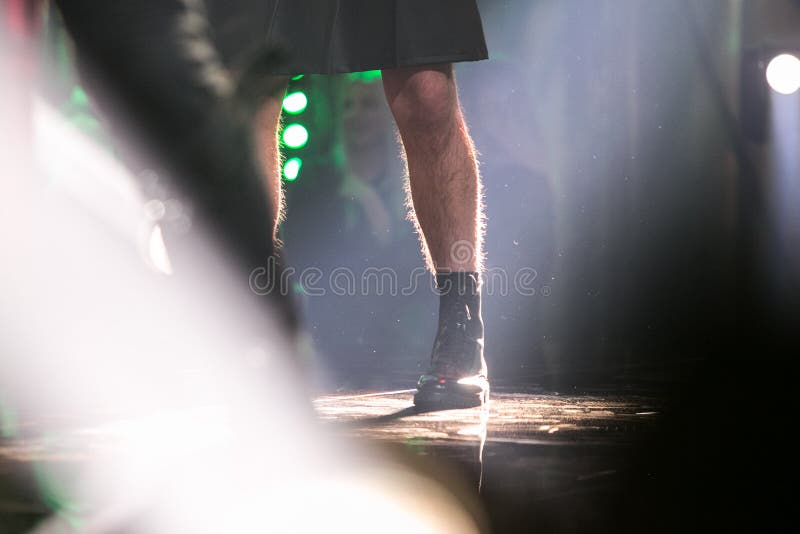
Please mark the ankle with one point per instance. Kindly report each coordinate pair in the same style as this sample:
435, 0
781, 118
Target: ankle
458, 284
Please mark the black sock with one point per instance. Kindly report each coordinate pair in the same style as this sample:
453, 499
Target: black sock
458, 283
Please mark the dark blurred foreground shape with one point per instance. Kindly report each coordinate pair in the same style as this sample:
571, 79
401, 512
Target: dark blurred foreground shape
156, 79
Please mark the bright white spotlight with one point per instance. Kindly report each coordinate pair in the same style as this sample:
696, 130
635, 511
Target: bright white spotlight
783, 74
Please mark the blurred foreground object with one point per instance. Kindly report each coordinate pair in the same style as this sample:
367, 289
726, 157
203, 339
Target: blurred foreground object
172, 396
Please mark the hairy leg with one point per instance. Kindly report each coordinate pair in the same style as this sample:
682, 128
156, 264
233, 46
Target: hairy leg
266, 125
444, 185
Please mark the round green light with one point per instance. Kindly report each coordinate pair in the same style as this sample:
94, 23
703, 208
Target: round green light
295, 136
291, 169
295, 103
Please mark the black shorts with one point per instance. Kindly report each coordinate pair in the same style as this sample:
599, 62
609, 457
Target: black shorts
334, 36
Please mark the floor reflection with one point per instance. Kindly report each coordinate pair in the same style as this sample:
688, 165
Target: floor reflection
509, 418
522, 448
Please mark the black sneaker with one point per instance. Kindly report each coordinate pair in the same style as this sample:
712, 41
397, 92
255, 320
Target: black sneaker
457, 376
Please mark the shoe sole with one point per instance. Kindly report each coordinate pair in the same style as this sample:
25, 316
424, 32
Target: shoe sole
440, 398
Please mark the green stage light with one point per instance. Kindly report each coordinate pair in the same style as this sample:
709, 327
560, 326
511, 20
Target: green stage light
295, 136
295, 103
298, 77
369, 76
291, 169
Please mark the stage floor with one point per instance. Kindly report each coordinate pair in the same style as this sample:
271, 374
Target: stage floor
533, 460
511, 418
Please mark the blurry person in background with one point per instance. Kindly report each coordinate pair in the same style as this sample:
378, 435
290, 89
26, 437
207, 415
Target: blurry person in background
370, 184
348, 220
